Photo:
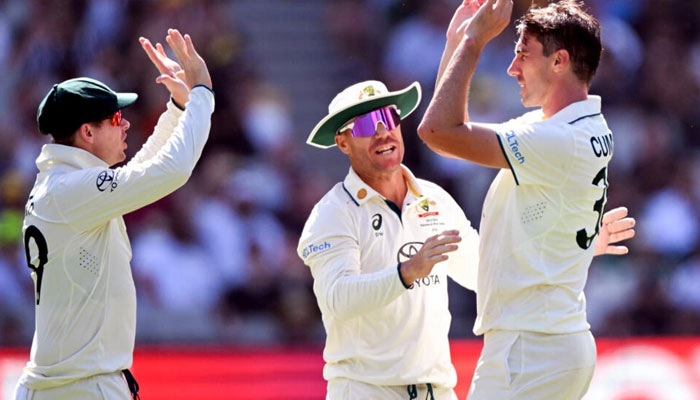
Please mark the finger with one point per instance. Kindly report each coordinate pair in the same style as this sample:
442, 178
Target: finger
447, 248
447, 239
621, 225
441, 235
501, 5
616, 250
488, 4
434, 259
177, 43
152, 54
620, 236
190, 46
160, 49
614, 214
165, 79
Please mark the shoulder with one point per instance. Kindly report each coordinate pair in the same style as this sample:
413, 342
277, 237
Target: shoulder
337, 198
433, 189
334, 204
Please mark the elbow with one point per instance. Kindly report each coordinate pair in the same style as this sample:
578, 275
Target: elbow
426, 131
433, 132
181, 177
339, 312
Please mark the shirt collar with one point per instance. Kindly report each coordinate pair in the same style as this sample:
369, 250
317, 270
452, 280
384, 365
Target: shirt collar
360, 192
53, 155
577, 110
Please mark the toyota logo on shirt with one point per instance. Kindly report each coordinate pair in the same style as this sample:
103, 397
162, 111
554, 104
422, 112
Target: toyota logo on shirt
106, 179
408, 250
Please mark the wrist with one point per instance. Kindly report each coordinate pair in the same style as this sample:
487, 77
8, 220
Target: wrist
180, 106
472, 42
401, 277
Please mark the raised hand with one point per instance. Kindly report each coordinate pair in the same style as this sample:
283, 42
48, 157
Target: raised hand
461, 18
433, 251
196, 72
178, 78
489, 21
616, 227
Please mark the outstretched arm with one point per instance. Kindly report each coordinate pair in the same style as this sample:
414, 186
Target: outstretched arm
616, 228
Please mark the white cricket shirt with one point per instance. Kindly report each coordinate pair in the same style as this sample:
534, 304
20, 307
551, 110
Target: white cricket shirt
378, 332
77, 243
540, 221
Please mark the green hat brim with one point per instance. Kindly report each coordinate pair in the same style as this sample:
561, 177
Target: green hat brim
323, 134
126, 99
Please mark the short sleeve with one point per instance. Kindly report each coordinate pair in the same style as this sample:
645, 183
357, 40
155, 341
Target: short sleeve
539, 153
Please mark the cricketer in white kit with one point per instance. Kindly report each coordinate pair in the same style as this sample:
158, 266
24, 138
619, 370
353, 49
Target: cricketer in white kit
387, 337
378, 331
75, 238
543, 215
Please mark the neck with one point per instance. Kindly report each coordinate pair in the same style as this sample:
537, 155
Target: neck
391, 185
563, 95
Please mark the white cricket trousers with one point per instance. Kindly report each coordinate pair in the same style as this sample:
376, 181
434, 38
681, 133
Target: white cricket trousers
534, 366
98, 387
346, 389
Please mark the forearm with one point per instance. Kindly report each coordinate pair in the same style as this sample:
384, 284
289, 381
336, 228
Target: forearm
447, 53
161, 133
449, 107
353, 295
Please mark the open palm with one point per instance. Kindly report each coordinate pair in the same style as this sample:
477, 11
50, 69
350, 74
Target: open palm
171, 73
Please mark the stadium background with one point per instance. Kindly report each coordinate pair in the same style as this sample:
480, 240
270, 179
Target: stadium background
224, 300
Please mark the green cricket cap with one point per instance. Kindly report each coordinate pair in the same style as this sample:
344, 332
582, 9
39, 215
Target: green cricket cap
74, 102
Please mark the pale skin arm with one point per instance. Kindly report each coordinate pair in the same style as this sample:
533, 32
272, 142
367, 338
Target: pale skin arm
455, 31
446, 128
178, 77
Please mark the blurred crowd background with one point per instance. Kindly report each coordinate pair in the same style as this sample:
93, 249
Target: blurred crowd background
216, 261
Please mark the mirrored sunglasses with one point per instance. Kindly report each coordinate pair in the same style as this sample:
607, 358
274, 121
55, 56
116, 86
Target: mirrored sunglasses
117, 118
366, 124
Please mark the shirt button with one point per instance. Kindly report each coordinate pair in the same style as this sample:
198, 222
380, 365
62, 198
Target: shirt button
361, 194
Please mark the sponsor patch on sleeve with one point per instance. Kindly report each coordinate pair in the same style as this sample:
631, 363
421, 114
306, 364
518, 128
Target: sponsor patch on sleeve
107, 179
315, 248
514, 147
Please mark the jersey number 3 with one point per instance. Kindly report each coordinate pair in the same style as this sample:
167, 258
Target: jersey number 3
584, 241
32, 232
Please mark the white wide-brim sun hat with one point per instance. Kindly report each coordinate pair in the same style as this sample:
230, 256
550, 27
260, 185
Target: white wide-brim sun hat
359, 99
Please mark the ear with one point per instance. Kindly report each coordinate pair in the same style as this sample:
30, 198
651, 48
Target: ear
85, 133
562, 60
342, 141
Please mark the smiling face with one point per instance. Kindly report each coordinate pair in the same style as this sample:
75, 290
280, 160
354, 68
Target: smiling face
375, 156
532, 70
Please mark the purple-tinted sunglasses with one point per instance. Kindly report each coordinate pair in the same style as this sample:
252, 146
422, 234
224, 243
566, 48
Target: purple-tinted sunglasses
366, 124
